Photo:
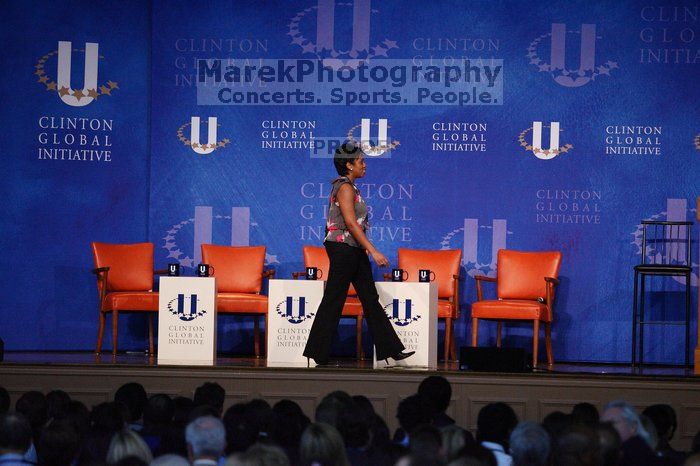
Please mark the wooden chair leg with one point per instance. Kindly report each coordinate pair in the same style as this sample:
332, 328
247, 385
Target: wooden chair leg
535, 341
100, 332
115, 330
475, 331
358, 338
151, 346
453, 347
448, 338
256, 335
499, 327
548, 342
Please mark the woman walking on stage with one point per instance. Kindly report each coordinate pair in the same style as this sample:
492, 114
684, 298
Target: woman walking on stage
347, 247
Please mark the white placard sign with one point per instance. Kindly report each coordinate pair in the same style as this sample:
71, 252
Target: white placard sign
412, 308
292, 305
187, 321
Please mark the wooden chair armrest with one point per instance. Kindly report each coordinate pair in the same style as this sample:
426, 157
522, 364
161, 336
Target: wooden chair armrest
458, 277
296, 275
160, 272
551, 280
387, 277
269, 273
100, 270
485, 278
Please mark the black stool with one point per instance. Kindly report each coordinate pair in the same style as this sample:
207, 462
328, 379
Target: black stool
665, 242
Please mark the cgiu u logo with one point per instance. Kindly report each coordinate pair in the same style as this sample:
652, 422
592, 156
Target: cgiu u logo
536, 146
401, 317
383, 144
185, 307
325, 48
587, 70
194, 140
476, 245
293, 309
70, 96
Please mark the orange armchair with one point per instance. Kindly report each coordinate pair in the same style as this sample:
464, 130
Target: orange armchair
239, 274
125, 284
525, 290
316, 256
445, 264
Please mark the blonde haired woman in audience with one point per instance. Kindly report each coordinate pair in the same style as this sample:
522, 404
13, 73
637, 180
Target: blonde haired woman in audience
126, 443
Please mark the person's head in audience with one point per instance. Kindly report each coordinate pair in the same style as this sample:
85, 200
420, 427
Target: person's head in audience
322, 444
529, 445
159, 411
202, 411
495, 422
15, 434
625, 420
170, 459
212, 394
426, 442
586, 414
378, 430
133, 396
78, 415
107, 418
454, 441
206, 438
412, 412
695, 444
651, 430
665, 422
331, 406
240, 435
436, 392
57, 402
692, 460
33, 406
556, 422
475, 455
182, 408
131, 461
577, 446
288, 424
259, 415
259, 454
4, 400
609, 444
59, 444
127, 443
354, 426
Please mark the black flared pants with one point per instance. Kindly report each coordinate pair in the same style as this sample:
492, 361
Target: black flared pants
349, 264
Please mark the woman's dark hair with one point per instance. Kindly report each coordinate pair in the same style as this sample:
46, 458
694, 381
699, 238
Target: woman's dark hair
347, 152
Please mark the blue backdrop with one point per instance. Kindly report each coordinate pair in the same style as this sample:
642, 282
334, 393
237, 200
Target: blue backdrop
590, 124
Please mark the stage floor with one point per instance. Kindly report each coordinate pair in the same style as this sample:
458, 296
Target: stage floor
346, 364
94, 379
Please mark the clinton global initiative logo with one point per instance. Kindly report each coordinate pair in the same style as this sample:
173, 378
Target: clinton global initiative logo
587, 69
194, 140
185, 307
324, 48
476, 245
74, 97
383, 143
199, 230
535, 145
293, 309
676, 211
401, 312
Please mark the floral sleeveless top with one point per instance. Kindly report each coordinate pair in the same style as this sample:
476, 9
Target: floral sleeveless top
336, 230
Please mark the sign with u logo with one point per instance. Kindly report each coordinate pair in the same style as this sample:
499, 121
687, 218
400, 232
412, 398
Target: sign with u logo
194, 140
294, 309
383, 144
587, 70
186, 307
74, 97
536, 146
401, 312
